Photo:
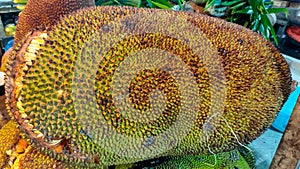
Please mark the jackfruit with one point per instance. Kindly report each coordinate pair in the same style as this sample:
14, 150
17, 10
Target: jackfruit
9, 135
15, 152
45, 13
33, 158
117, 85
42, 14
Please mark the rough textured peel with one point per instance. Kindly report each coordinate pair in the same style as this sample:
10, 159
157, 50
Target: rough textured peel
15, 152
9, 135
33, 158
45, 13
42, 81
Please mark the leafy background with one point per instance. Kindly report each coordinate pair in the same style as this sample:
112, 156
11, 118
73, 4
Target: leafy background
252, 14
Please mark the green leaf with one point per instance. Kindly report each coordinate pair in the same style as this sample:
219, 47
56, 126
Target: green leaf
164, 2
263, 30
180, 4
268, 24
268, 3
116, 1
256, 24
274, 35
130, 2
162, 6
210, 3
140, 3
150, 3
244, 11
238, 5
230, 3
254, 5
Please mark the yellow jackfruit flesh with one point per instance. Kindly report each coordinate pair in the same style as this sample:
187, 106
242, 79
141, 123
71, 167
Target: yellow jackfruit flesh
116, 85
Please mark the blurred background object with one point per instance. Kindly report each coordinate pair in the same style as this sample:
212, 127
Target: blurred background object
8, 20
287, 28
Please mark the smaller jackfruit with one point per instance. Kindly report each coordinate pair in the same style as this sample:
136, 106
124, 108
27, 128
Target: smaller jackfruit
9, 136
45, 13
33, 158
16, 153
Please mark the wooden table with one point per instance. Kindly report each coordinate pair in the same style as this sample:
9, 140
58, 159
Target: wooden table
288, 152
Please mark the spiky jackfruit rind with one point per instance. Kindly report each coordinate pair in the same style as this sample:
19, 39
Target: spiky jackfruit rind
240, 50
9, 135
20, 62
35, 159
45, 13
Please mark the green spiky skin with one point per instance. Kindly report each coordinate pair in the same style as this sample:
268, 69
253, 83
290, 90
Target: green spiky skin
39, 86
